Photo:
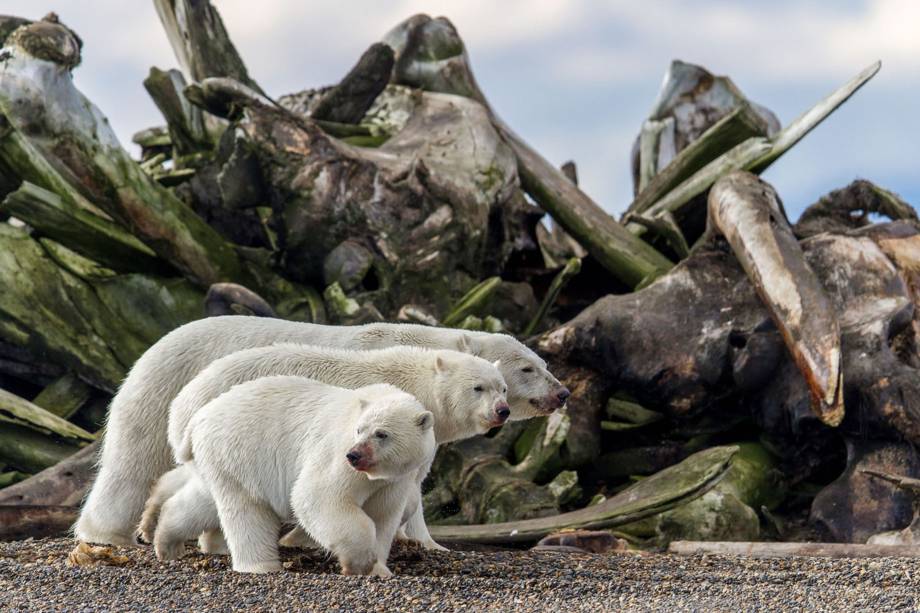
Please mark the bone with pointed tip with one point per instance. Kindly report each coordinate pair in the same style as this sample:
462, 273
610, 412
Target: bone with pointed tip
747, 212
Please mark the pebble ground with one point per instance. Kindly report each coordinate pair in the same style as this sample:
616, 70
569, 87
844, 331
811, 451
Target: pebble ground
34, 577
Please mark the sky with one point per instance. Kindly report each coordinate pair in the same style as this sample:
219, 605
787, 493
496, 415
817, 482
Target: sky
575, 78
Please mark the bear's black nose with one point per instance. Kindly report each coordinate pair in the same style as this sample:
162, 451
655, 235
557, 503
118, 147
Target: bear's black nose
503, 411
563, 395
353, 457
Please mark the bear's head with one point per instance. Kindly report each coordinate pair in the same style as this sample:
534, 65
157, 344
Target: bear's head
532, 389
394, 434
471, 394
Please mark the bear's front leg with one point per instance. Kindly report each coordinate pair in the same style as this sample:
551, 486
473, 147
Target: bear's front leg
340, 526
189, 512
415, 529
387, 508
213, 542
413, 526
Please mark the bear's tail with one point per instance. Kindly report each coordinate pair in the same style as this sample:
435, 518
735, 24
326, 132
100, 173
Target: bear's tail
184, 452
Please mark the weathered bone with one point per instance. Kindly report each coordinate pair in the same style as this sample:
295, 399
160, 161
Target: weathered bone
431, 55
747, 212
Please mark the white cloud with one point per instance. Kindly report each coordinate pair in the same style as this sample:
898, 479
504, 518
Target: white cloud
780, 43
544, 61
889, 29
487, 25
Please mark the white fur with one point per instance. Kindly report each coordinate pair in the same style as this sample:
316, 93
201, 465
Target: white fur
135, 450
445, 382
276, 447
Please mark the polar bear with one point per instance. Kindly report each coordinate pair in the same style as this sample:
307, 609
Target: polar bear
465, 393
135, 450
342, 462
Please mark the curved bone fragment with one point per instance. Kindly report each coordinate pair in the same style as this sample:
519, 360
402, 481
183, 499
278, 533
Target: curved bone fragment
666, 489
747, 212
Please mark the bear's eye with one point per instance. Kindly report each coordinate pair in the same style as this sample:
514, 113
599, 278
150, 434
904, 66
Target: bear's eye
478, 388
381, 434
505, 390
527, 369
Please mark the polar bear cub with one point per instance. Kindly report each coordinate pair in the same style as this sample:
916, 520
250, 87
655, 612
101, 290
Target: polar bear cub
342, 462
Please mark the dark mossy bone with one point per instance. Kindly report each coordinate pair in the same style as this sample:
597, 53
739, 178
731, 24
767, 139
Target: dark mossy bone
571, 268
850, 208
48, 40
119, 316
421, 202
84, 232
200, 41
732, 129
857, 505
224, 97
234, 299
8, 24
64, 483
696, 101
30, 451
755, 154
69, 134
726, 512
187, 130
348, 101
64, 396
667, 489
347, 264
486, 486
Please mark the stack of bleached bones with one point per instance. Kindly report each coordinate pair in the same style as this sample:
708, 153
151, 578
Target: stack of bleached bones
760, 388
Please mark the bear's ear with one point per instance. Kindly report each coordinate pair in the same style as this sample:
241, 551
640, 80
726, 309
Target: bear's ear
467, 344
425, 420
363, 403
497, 363
440, 364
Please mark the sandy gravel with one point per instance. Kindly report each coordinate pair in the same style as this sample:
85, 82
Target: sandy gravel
33, 577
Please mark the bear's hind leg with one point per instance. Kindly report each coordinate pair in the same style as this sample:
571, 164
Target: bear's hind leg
166, 487
113, 509
213, 542
135, 453
413, 526
251, 528
299, 538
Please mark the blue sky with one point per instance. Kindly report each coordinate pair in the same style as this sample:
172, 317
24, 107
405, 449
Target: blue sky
574, 77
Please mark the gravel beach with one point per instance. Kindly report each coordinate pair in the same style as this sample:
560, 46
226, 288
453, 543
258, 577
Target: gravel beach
34, 577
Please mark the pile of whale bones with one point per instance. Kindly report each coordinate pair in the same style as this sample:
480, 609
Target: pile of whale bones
230, 429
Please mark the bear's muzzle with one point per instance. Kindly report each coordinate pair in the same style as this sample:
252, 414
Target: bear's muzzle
500, 414
360, 457
556, 399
